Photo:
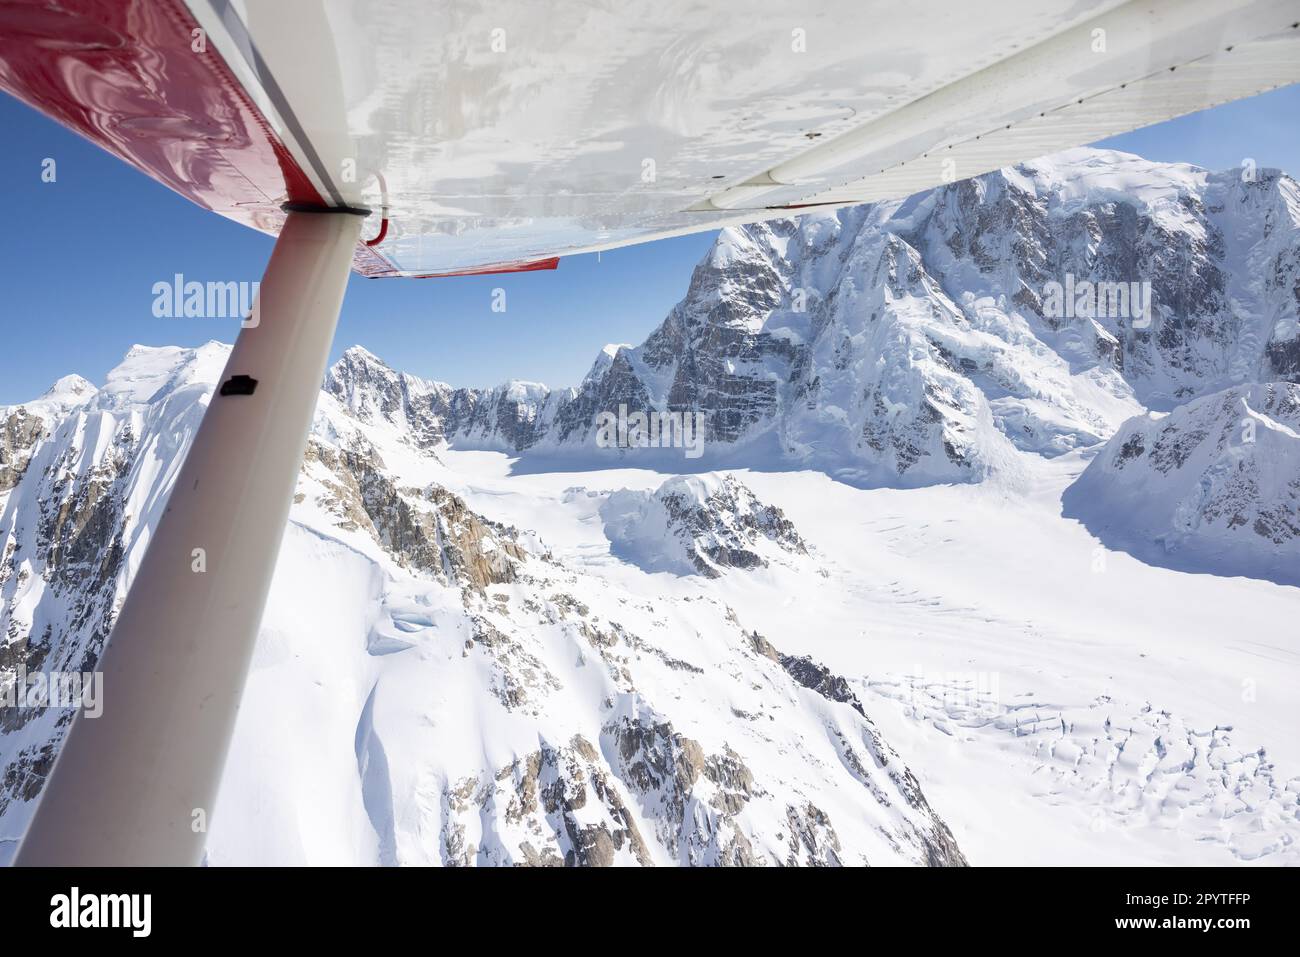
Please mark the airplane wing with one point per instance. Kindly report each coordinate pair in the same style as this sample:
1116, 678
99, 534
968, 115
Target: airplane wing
501, 135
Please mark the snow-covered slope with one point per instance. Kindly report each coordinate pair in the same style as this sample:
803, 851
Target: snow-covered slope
923, 341
1212, 486
434, 686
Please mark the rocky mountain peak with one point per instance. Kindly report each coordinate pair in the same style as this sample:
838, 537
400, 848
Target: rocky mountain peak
698, 524
1213, 485
70, 388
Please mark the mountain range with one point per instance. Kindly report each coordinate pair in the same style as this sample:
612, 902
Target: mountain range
436, 683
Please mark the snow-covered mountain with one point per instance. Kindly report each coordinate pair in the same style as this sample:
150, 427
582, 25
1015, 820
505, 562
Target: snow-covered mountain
655, 668
926, 340
484, 701
1212, 486
85, 472
697, 525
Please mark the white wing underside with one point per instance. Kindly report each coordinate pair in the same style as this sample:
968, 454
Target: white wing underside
509, 131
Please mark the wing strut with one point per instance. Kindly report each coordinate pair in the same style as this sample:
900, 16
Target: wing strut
136, 785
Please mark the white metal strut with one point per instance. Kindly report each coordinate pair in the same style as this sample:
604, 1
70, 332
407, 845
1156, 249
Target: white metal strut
135, 785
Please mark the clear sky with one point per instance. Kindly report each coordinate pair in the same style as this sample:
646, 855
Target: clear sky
80, 257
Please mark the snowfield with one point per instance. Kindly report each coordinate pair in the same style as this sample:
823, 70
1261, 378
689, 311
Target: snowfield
1059, 702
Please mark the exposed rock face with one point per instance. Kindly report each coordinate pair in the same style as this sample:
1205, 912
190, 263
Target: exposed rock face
546, 793
513, 416
940, 846
698, 524
64, 527
429, 530
816, 677
19, 431
1213, 485
919, 341
23, 426
470, 699
374, 393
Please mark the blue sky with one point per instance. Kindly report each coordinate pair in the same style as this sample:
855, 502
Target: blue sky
81, 256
